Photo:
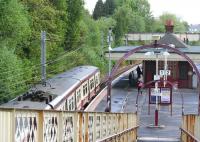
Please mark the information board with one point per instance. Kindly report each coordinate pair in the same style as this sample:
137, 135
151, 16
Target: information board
154, 94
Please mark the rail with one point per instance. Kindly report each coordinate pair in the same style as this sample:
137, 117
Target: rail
23, 125
190, 129
124, 136
188, 136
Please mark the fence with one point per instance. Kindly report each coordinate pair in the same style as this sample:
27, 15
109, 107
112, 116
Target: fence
149, 36
23, 125
190, 130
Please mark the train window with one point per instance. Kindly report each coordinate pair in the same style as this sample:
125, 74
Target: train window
97, 79
72, 100
91, 84
71, 104
78, 95
85, 89
66, 105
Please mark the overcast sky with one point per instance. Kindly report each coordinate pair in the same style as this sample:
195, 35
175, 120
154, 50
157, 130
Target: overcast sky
188, 10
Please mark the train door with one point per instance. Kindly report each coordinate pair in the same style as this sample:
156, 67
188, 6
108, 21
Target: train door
78, 97
85, 92
92, 87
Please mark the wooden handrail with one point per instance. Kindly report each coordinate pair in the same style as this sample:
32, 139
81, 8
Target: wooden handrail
118, 134
190, 135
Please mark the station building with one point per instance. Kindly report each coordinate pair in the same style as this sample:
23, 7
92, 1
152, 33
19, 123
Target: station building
181, 70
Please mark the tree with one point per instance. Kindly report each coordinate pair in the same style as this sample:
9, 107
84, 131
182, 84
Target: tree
109, 7
122, 18
98, 10
74, 10
45, 16
137, 23
14, 24
141, 8
11, 78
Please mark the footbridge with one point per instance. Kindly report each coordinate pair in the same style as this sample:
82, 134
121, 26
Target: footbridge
25, 125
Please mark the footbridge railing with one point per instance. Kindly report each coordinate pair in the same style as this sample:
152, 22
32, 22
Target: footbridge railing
190, 130
25, 125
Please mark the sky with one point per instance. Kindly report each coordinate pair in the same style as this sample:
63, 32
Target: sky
187, 10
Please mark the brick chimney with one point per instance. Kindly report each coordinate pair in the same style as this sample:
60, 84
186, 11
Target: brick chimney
169, 26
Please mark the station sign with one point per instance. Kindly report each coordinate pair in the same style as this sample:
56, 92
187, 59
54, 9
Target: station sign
165, 72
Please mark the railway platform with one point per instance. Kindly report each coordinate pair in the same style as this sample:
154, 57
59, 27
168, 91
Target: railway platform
124, 100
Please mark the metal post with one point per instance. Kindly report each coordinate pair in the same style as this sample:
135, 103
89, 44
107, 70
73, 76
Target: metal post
109, 69
165, 68
109, 47
109, 64
156, 87
43, 57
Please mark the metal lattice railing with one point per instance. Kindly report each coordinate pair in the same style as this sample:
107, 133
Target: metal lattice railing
23, 125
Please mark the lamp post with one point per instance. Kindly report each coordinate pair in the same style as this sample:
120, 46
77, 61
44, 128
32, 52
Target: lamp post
157, 77
156, 90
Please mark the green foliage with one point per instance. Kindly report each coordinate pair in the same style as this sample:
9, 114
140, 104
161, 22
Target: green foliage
12, 75
98, 10
109, 7
136, 24
50, 17
122, 17
74, 10
14, 24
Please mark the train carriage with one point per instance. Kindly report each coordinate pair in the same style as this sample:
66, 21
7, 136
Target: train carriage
71, 90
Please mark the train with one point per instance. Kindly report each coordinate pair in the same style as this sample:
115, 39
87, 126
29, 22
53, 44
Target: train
71, 90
